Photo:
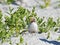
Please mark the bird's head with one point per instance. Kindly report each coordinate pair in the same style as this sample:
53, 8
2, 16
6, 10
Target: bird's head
32, 19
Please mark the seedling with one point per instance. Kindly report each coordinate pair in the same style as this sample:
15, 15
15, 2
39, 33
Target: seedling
21, 39
48, 36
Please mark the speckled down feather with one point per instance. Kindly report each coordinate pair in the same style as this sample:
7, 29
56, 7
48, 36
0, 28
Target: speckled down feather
33, 27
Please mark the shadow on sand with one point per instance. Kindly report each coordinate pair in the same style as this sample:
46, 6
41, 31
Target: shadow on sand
52, 42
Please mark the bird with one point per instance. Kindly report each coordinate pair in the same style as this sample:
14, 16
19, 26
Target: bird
33, 27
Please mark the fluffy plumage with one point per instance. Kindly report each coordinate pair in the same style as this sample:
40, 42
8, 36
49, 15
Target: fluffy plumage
33, 27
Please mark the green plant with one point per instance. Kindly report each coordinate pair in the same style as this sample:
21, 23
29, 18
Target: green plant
58, 22
21, 39
46, 26
46, 4
50, 23
56, 29
10, 1
3, 30
48, 36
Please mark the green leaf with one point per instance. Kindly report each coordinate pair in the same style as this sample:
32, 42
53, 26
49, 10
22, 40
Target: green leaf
48, 35
21, 39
